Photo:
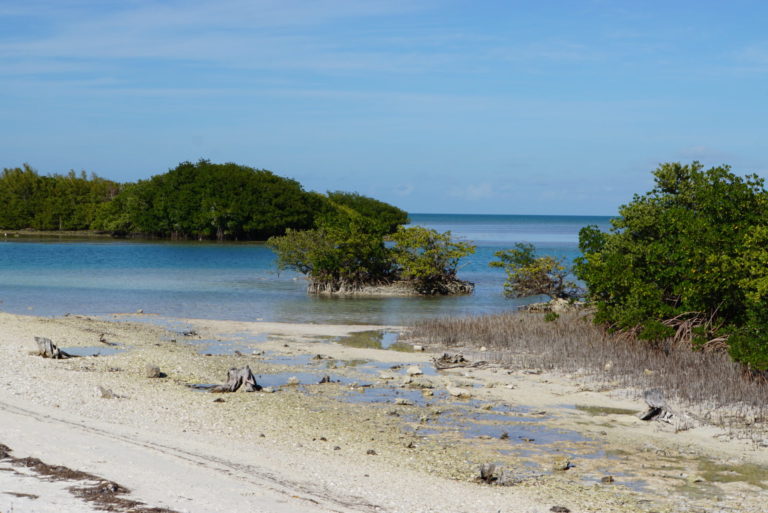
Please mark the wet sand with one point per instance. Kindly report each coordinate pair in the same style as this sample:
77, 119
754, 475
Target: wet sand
380, 436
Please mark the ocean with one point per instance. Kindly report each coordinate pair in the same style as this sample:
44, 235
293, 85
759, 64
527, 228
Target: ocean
239, 281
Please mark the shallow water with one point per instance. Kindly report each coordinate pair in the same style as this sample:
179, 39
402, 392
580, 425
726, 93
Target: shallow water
240, 282
225, 347
93, 350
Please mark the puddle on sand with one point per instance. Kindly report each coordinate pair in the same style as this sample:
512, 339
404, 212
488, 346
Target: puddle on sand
220, 347
386, 395
285, 379
185, 333
293, 360
339, 364
619, 478
204, 387
282, 379
517, 429
501, 417
365, 367
460, 417
173, 325
93, 350
375, 339
397, 369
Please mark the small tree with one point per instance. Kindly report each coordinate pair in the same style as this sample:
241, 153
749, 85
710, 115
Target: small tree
430, 260
528, 275
344, 253
689, 259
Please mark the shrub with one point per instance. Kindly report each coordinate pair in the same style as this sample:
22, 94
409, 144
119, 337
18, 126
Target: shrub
344, 253
347, 252
551, 316
689, 256
430, 259
528, 275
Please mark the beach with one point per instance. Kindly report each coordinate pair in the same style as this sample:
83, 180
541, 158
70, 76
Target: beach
379, 436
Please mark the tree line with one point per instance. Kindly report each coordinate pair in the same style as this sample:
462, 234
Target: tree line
53, 202
199, 200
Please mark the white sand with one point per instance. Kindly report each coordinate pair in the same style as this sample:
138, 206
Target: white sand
175, 448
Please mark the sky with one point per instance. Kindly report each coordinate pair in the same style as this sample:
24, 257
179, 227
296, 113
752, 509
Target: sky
484, 107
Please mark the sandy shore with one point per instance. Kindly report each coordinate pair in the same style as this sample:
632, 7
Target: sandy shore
373, 440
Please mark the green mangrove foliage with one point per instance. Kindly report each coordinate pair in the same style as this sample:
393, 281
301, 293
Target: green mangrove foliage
193, 201
387, 216
207, 201
343, 253
529, 275
689, 260
55, 202
429, 260
347, 252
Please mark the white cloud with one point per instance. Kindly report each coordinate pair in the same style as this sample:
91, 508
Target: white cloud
267, 32
473, 192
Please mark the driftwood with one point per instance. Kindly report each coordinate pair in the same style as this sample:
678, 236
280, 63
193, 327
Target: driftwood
488, 473
237, 378
451, 361
103, 340
657, 407
660, 411
47, 349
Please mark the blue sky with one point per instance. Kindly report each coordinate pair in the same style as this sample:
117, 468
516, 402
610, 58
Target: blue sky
547, 107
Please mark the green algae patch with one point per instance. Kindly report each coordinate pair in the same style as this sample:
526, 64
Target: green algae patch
604, 410
375, 339
749, 473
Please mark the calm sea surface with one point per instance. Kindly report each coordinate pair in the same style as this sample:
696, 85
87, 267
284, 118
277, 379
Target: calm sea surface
239, 281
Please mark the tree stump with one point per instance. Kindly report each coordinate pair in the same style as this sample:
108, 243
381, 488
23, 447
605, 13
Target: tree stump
657, 407
47, 349
237, 378
450, 361
488, 473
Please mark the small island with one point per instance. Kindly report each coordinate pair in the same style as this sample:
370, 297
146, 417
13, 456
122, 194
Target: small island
350, 254
193, 201
344, 243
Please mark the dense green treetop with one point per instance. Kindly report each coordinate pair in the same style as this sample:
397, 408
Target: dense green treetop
199, 200
206, 200
344, 252
690, 254
389, 216
53, 202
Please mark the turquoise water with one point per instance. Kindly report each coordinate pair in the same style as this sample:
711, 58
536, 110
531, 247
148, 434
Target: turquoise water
239, 281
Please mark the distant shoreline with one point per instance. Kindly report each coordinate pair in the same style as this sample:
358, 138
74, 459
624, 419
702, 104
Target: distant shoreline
421, 217
101, 235
95, 234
